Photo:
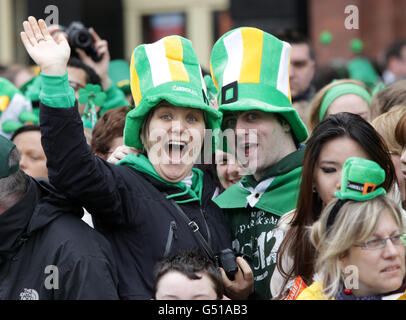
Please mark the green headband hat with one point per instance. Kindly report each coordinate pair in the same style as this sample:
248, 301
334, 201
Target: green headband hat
6, 146
361, 180
250, 69
166, 70
340, 90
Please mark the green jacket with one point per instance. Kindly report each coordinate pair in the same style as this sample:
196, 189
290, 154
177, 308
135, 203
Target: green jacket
253, 210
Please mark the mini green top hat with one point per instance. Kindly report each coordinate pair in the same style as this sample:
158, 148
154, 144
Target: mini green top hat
119, 73
361, 180
6, 146
166, 70
250, 69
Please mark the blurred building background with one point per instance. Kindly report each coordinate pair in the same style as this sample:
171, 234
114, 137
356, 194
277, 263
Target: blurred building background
127, 23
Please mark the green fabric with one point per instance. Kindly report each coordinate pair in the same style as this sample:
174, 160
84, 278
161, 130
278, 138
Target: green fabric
362, 69
254, 228
191, 93
6, 146
56, 92
255, 97
142, 164
361, 180
119, 73
8, 89
32, 88
270, 94
15, 108
9, 126
28, 116
340, 90
279, 198
115, 99
272, 47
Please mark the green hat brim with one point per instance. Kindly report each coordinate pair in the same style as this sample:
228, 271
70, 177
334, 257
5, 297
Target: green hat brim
358, 196
177, 93
263, 94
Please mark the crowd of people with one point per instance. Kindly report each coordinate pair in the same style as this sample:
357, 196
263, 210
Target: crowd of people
155, 179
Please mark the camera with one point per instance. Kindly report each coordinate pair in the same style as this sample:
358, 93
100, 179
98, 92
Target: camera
80, 37
227, 260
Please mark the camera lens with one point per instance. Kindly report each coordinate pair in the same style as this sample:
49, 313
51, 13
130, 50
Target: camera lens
83, 39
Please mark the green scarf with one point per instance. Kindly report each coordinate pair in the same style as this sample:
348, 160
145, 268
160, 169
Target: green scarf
142, 164
279, 197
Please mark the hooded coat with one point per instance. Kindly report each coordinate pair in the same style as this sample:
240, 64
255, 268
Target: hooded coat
128, 206
48, 253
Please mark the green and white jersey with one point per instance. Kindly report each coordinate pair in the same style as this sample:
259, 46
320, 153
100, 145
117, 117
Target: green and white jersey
253, 210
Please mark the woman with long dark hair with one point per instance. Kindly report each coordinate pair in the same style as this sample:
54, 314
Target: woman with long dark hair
334, 140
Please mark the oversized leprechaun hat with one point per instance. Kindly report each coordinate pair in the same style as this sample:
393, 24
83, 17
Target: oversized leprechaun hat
166, 70
15, 109
361, 180
250, 69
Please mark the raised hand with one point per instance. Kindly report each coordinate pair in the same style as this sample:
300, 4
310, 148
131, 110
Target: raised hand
50, 55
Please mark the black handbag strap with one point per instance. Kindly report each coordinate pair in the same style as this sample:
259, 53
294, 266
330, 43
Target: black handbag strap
195, 230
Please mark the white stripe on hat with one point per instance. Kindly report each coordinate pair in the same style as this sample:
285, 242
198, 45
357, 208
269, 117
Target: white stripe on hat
202, 79
158, 62
283, 73
235, 50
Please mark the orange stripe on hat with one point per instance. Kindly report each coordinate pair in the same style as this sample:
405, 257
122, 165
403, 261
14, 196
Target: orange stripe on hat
174, 54
135, 83
252, 55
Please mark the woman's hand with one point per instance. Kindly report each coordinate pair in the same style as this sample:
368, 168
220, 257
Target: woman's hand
50, 55
243, 284
120, 153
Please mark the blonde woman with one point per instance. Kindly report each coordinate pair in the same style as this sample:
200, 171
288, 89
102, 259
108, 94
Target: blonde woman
344, 95
359, 240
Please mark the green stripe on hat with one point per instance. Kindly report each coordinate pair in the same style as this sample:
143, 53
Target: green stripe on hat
270, 61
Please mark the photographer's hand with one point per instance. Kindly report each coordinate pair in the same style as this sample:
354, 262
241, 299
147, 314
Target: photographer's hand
101, 67
243, 284
50, 55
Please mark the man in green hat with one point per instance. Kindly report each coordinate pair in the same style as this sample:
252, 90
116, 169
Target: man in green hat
46, 251
250, 70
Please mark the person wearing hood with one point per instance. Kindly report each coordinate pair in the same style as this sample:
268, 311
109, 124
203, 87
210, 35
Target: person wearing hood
46, 251
153, 204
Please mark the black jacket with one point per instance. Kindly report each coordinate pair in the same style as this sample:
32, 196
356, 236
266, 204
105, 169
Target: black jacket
47, 252
127, 206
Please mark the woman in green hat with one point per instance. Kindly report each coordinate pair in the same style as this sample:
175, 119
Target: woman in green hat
358, 239
345, 95
151, 205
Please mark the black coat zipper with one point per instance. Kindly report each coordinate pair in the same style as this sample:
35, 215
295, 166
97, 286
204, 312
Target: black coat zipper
171, 236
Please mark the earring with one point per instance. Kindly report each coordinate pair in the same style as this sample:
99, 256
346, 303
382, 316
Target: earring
348, 292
